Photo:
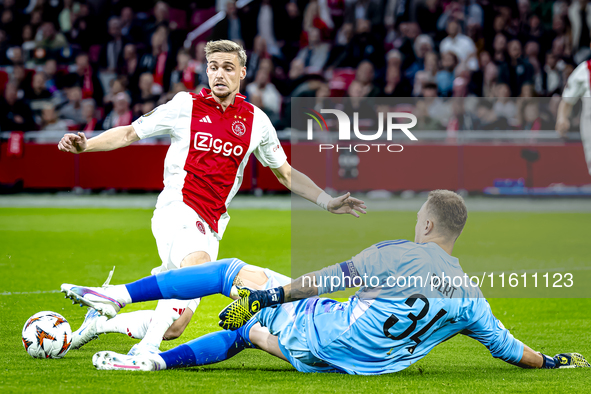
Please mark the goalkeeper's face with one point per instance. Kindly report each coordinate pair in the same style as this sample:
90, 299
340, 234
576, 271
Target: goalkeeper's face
224, 73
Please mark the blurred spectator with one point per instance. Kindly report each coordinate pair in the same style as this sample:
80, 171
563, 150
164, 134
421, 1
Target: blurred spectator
343, 41
15, 55
268, 21
28, 40
66, 16
258, 53
422, 45
86, 78
157, 61
364, 46
37, 90
50, 120
184, 72
292, 26
462, 46
516, 71
364, 76
51, 79
15, 114
129, 26
500, 49
405, 43
315, 54
579, 15
445, 76
316, 15
504, 106
363, 10
50, 39
229, 28
428, 75
438, 109
111, 56
89, 113
428, 14
83, 33
476, 84
19, 76
487, 118
551, 76
129, 66
262, 93
121, 114
148, 91
73, 108
396, 85
424, 121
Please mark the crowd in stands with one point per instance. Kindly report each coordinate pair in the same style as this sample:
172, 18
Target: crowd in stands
95, 64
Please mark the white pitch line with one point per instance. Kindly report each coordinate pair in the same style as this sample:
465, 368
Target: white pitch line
7, 293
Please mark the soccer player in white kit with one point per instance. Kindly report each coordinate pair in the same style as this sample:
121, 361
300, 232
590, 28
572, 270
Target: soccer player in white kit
212, 135
577, 86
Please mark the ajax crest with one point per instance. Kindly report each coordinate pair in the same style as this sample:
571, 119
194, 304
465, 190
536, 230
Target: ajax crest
238, 128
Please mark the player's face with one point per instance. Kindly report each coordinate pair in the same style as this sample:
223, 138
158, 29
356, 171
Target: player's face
224, 74
421, 223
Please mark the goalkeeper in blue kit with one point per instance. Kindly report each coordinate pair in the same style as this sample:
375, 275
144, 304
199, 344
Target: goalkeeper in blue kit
385, 327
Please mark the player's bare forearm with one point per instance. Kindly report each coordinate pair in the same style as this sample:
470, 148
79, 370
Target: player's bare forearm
115, 138
564, 110
530, 358
301, 288
297, 182
300, 184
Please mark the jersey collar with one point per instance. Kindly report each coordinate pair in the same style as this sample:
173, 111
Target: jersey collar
238, 99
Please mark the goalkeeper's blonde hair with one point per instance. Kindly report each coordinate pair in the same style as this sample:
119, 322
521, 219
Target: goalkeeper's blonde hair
226, 46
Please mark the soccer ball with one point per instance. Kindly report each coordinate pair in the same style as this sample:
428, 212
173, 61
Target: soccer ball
47, 335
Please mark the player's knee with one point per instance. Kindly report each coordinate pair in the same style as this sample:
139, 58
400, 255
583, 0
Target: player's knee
195, 258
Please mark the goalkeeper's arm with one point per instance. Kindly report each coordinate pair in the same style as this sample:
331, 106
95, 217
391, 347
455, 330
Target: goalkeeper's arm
327, 280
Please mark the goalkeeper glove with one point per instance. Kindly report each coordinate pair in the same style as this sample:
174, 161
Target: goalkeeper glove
565, 360
250, 302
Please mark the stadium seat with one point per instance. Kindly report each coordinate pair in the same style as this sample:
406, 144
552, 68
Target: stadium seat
178, 16
3, 80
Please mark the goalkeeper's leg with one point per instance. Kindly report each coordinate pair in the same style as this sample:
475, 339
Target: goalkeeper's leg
208, 349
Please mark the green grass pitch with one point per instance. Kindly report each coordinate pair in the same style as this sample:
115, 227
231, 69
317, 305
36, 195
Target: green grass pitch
42, 248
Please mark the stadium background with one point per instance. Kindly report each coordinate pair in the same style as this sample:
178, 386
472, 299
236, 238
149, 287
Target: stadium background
90, 65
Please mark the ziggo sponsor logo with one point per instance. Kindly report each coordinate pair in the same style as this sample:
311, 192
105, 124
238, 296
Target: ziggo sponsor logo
206, 142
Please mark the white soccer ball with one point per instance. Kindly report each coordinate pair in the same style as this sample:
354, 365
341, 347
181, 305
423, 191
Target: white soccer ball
47, 335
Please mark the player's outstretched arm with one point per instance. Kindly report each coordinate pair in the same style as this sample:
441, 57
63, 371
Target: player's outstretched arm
251, 301
303, 186
328, 280
117, 137
562, 119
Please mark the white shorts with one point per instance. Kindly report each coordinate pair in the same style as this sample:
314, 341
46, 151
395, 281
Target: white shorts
180, 231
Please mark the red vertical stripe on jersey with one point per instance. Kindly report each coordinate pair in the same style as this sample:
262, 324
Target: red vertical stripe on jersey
217, 147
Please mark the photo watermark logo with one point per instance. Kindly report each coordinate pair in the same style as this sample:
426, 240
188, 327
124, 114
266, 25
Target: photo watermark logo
344, 130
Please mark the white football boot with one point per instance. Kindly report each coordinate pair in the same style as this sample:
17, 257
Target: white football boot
143, 350
87, 331
102, 299
110, 361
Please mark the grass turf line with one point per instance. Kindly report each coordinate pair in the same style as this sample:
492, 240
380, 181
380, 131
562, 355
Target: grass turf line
41, 248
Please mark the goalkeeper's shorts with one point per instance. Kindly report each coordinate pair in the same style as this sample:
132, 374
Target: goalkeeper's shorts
288, 323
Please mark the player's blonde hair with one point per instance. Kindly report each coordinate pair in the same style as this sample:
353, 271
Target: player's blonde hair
226, 46
449, 211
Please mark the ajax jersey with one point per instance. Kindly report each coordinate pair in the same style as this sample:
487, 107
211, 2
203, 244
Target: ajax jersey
209, 150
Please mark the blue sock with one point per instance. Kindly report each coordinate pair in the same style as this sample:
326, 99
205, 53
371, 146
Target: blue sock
208, 349
187, 283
